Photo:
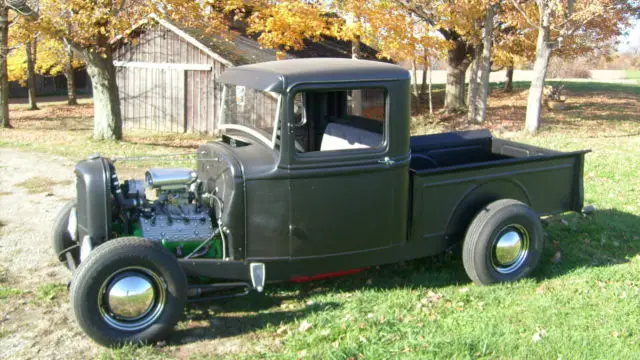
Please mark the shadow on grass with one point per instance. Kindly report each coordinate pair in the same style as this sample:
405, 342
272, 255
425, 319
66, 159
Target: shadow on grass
607, 237
201, 324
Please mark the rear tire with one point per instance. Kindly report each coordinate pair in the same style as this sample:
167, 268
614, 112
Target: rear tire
61, 239
503, 243
128, 290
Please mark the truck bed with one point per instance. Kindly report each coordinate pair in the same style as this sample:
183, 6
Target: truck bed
453, 175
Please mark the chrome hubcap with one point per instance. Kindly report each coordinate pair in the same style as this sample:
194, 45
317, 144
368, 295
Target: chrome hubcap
510, 249
132, 299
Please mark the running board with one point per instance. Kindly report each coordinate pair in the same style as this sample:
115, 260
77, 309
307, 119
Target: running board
196, 291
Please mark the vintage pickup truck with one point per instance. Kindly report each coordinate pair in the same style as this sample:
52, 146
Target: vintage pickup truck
315, 173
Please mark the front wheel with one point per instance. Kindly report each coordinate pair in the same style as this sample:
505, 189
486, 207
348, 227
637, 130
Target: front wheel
503, 243
128, 290
65, 247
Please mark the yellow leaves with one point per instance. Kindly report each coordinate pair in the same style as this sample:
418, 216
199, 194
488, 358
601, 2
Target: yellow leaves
17, 66
286, 24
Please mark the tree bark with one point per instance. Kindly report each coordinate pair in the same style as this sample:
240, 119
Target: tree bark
355, 48
70, 74
356, 95
430, 93
485, 65
414, 69
458, 60
473, 88
107, 123
4, 73
31, 74
508, 83
543, 54
423, 84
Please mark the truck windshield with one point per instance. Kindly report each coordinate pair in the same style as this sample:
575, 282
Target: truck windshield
253, 111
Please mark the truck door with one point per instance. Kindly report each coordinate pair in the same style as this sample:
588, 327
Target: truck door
348, 192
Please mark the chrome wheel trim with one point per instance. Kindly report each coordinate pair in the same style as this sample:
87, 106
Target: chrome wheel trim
132, 299
510, 249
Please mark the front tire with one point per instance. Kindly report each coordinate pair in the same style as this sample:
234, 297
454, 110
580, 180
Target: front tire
503, 243
63, 243
128, 290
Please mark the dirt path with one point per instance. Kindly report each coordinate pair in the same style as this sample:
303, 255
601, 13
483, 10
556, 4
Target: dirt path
36, 321
35, 317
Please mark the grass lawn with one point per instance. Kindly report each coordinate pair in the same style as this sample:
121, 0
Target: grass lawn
634, 74
582, 302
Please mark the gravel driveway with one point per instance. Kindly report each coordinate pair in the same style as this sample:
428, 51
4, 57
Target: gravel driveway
34, 323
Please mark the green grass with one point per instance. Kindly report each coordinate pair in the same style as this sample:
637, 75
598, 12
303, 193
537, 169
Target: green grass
8, 292
50, 292
634, 75
41, 184
582, 302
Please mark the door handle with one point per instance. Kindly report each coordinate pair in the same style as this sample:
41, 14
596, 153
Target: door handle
386, 161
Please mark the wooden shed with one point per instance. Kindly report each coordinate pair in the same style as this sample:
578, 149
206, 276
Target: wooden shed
167, 75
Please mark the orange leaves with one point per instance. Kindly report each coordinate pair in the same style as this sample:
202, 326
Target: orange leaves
285, 24
91, 24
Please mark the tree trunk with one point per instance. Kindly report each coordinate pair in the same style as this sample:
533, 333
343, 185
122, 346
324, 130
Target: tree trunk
423, 84
414, 70
355, 48
473, 88
485, 66
508, 83
31, 74
430, 93
543, 54
4, 73
70, 74
457, 64
107, 123
356, 95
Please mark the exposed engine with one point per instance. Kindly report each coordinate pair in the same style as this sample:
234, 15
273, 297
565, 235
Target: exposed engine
176, 214
168, 208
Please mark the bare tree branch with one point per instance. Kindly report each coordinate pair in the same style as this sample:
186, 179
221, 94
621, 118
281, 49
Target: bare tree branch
524, 14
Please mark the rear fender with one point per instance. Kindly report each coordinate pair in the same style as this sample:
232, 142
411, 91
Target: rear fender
475, 199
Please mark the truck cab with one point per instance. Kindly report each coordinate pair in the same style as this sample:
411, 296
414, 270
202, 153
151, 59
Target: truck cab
330, 178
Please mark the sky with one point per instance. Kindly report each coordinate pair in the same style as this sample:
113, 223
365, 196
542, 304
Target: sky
632, 39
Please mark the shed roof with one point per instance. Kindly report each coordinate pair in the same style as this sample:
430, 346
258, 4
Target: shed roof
277, 76
242, 49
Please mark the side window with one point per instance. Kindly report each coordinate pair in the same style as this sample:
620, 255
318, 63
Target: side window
338, 120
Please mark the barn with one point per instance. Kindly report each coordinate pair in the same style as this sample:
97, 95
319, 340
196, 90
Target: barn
167, 75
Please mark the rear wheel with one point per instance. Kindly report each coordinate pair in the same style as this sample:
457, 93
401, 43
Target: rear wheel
503, 243
128, 290
63, 244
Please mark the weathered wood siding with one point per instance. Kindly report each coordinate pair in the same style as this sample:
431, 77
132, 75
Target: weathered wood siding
159, 91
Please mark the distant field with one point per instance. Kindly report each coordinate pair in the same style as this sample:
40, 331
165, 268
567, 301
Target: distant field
634, 75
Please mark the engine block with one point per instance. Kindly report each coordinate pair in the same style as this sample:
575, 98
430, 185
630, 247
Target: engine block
177, 224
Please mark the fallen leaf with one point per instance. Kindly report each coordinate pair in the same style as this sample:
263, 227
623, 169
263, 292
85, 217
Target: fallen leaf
540, 333
540, 289
281, 329
305, 326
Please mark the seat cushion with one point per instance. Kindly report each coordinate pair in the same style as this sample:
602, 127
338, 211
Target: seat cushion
343, 137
